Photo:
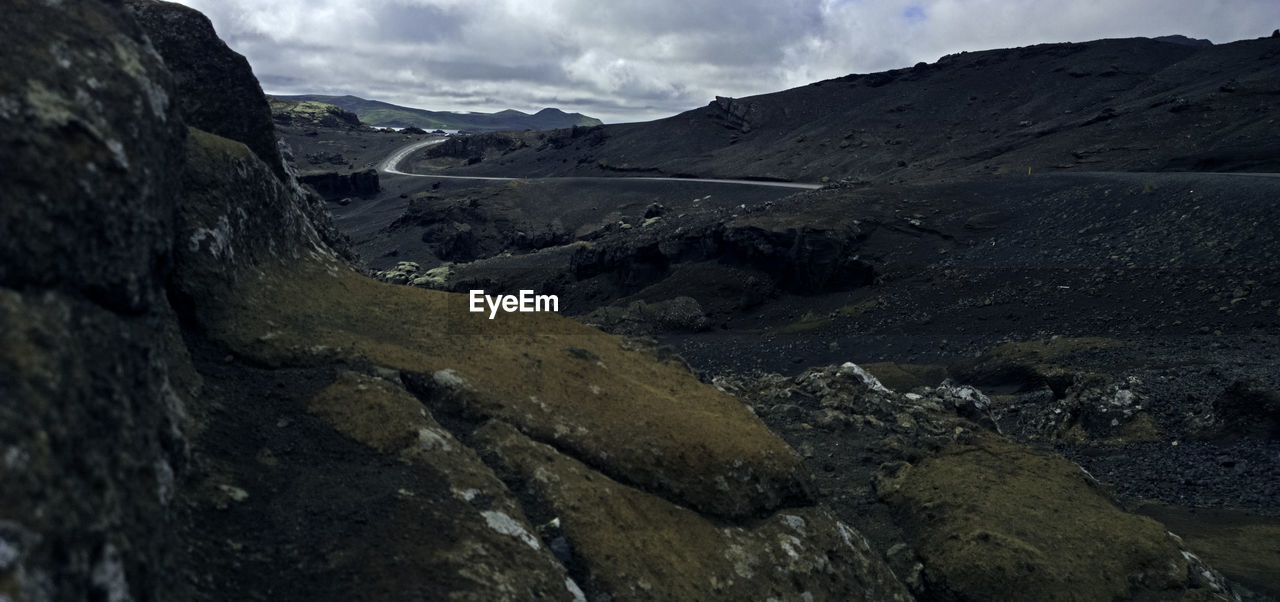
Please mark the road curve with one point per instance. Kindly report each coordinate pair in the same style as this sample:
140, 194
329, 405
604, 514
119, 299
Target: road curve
391, 166
392, 163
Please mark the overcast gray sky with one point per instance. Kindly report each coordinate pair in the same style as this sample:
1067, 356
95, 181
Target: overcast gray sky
633, 60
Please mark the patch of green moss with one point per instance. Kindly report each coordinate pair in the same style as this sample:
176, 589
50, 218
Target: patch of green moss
998, 521
204, 148
372, 411
1044, 356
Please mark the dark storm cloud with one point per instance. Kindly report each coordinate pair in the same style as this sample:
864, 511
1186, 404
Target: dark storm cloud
549, 73
417, 22
630, 59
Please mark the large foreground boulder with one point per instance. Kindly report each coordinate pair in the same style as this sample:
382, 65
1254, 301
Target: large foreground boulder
93, 375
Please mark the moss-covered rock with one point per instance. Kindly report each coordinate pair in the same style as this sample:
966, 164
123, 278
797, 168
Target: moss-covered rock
633, 545
492, 553
997, 521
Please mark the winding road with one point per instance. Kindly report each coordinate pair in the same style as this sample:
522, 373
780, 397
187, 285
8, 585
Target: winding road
392, 163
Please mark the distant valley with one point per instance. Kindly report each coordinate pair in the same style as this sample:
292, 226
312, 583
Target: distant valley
384, 114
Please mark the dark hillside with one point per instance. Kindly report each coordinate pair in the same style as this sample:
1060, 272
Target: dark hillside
1124, 104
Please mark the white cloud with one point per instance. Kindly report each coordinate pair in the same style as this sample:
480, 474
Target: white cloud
642, 59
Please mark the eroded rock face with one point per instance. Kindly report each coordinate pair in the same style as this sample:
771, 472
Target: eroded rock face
477, 147
738, 114
216, 89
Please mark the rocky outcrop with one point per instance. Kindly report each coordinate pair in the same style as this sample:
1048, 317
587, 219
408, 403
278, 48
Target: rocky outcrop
332, 185
475, 148
53, 107
216, 89
494, 554
311, 113
1183, 40
738, 114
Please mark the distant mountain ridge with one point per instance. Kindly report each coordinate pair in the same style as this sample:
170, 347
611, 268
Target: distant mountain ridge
385, 114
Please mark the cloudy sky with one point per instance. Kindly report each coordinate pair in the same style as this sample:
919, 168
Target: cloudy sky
632, 60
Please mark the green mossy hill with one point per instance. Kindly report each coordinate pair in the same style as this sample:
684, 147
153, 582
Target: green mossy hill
311, 113
994, 520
